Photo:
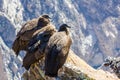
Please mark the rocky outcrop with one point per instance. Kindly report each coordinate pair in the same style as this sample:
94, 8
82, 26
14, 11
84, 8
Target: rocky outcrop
74, 69
113, 64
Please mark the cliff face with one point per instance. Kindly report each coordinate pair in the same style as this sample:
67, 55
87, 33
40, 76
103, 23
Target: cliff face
95, 28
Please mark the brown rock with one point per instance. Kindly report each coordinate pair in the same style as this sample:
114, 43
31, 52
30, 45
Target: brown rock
74, 69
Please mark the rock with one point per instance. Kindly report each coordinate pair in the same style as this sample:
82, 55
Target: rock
114, 64
74, 69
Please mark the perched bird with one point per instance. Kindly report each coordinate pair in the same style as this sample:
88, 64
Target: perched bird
57, 51
36, 46
28, 31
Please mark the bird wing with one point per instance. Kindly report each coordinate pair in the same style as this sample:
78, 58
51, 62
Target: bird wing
28, 26
35, 42
51, 64
40, 39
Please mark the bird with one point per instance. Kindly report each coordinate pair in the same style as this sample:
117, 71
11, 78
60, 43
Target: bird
37, 45
57, 50
27, 32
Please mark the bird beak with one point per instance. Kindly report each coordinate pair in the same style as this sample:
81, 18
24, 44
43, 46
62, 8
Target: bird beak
68, 26
49, 17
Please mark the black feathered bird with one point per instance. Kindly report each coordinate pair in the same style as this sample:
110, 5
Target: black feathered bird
27, 32
57, 51
36, 46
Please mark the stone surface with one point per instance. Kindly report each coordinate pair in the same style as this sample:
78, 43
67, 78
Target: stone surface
72, 70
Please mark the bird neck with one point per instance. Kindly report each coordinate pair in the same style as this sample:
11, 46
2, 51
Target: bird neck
66, 31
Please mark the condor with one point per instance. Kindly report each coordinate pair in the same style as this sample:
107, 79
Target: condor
27, 32
57, 50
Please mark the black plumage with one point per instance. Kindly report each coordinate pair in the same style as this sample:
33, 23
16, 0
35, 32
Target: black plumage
57, 51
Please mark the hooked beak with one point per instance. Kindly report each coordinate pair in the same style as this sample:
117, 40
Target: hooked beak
68, 26
49, 17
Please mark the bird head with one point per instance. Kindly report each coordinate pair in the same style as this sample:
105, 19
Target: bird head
46, 16
44, 20
64, 27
